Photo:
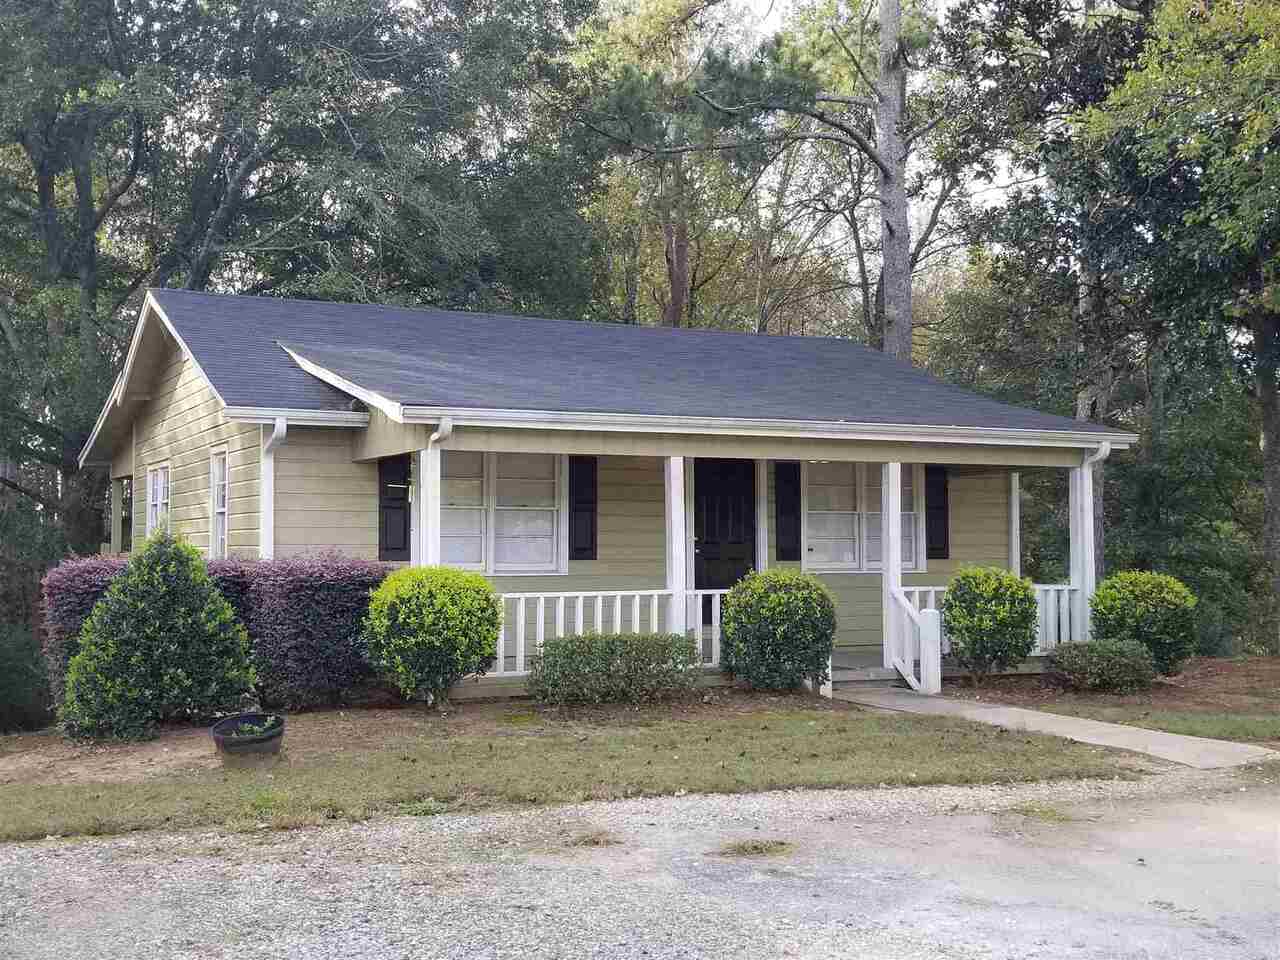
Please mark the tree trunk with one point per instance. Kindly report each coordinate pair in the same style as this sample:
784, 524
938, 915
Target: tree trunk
895, 211
675, 233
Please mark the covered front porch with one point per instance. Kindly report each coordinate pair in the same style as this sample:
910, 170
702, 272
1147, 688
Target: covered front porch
641, 543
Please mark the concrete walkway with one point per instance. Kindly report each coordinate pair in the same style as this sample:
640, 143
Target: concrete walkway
1198, 752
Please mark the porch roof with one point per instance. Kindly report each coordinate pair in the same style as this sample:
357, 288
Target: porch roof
263, 352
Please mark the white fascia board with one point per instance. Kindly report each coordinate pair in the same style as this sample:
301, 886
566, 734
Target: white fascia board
812, 429
113, 397
369, 397
297, 417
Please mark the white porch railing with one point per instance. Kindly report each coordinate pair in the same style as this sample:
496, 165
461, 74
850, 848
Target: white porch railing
1057, 607
529, 618
914, 642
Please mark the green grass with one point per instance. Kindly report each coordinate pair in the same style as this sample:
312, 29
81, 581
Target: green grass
755, 848
1246, 727
556, 763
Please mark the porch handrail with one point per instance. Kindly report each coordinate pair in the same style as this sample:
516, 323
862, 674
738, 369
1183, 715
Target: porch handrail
1058, 619
916, 638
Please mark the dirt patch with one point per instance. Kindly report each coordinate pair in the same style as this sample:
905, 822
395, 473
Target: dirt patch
1222, 688
47, 759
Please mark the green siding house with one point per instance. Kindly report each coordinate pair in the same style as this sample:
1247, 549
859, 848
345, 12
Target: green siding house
602, 476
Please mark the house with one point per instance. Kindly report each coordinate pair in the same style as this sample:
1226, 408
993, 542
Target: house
602, 476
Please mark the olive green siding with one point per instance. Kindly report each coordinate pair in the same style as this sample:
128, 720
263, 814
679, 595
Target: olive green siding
324, 499
180, 424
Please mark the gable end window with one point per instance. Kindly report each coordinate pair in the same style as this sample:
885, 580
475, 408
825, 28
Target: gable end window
393, 507
937, 513
583, 508
504, 513
157, 498
219, 503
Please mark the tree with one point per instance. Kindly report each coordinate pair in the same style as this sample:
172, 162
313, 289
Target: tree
1206, 96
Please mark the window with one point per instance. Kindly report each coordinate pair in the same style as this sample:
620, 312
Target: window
126, 514
157, 499
937, 509
504, 513
583, 503
842, 524
219, 501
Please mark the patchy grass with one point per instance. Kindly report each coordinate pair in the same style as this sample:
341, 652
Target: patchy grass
593, 838
755, 848
360, 763
1236, 699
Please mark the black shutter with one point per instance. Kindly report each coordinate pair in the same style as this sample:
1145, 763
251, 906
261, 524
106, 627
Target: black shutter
937, 514
786, 485
582, 508
393, 508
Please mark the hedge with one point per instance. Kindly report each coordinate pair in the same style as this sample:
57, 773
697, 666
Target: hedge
614, 668
989, 614
303, 616
1153, 609
1116, 666
778, 630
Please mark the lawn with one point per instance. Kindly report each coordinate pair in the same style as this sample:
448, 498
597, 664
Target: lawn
360, 763
1237, 699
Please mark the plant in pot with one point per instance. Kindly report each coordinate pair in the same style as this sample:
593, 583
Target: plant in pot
248, 733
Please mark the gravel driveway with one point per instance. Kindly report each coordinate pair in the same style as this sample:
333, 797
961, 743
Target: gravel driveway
1179, 865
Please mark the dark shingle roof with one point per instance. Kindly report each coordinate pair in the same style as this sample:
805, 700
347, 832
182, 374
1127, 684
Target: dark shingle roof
479, 360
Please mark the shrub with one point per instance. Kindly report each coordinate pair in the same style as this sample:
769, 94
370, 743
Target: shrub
305, 618
778, 628
1154, 609
1118, 666
989, 616
162, 644
428, 627
70, 591
24, 688
614, 668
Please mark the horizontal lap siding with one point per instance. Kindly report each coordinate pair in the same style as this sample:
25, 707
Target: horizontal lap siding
324, 500
180, 424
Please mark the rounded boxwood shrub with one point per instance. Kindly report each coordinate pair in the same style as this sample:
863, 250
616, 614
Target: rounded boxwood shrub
614, 668
989, 615
1116, 666
778, 628
1154, 609
162, 644
428, 627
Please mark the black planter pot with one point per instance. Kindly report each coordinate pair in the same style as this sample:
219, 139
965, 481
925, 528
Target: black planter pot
267, 742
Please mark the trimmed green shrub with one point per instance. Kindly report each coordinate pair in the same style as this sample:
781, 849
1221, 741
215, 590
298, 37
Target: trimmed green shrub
614, 668
428, 627
989, 615
162, 644
778, 629
1154, 609
1117, 666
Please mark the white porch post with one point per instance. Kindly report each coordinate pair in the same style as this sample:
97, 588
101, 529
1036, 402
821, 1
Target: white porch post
429, 504
762, 514
890, 553
677, 539
1083, 576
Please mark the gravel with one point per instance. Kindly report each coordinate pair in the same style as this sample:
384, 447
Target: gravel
869, 873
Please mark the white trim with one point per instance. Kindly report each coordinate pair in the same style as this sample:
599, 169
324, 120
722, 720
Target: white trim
690, 548
862, 512
155, 468
675, 470
1015, 523
815, 429
376, 400
216, 451
762, 514
298, 417
431, 496
267, 485
890, 551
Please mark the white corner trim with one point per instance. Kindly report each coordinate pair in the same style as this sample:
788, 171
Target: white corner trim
376, 400
762, 514
731, 426
267, 486
1015, 523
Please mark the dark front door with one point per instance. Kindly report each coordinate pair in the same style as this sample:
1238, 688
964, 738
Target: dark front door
724, 522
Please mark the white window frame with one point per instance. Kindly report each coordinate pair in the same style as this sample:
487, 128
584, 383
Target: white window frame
153, 519
862, 564
219, 551
489, 507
